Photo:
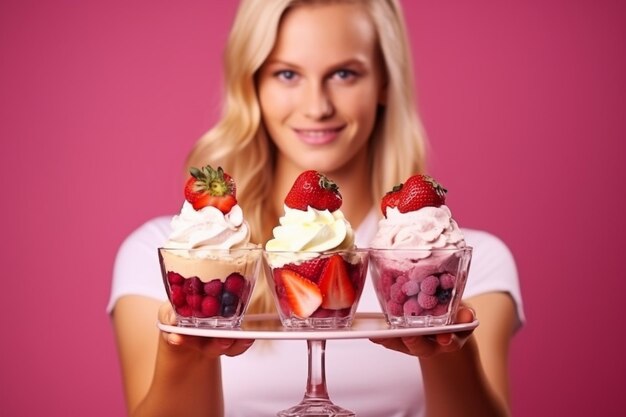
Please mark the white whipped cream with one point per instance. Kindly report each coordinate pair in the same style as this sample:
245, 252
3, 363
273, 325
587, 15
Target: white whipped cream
311, 231
208, 228
426, 228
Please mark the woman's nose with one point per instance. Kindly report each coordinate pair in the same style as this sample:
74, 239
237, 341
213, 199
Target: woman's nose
317, 102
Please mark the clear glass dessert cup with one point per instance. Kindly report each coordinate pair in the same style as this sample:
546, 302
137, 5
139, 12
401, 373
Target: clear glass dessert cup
419, 287
210, 288
316, 290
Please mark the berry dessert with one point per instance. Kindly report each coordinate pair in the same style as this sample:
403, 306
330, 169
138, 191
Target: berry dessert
419, 258
209, 266
315, 271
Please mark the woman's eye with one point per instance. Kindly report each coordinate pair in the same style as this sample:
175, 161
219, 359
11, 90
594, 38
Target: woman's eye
286, 75
344, 74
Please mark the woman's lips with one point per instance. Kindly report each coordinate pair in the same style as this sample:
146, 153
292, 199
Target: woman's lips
320, 136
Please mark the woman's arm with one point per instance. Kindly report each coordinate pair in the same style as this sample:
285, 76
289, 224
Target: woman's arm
168, 374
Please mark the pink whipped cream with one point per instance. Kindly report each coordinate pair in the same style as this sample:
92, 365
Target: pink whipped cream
426, 228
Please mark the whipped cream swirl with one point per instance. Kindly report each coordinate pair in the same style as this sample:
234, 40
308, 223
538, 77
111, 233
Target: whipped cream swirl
309, 232
426, 228
208, 228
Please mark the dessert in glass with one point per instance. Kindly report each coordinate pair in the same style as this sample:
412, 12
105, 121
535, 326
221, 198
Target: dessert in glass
210, 287
418, 259
317, 290
208, 264
316, 275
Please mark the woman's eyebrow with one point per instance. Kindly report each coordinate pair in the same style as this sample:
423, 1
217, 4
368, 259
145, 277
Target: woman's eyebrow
350, 62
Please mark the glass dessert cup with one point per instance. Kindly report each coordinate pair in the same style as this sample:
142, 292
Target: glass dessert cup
210, 288
419, 287
316, 291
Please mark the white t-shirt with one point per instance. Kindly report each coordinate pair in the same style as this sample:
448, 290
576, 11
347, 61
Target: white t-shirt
361, 376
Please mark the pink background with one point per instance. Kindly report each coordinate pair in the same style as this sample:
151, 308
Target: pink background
100, 101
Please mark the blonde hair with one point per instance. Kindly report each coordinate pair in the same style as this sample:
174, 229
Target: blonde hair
240, 144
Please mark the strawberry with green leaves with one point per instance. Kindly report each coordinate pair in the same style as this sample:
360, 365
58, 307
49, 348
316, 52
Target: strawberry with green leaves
313, 189
210, 187
416, 192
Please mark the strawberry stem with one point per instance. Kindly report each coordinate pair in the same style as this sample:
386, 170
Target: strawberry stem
327, 184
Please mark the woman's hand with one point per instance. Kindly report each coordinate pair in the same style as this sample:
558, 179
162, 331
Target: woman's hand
428, 346
210, 346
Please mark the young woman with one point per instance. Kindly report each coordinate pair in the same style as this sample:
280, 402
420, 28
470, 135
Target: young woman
324, 85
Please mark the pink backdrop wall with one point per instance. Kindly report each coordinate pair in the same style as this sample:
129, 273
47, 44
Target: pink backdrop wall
100, 101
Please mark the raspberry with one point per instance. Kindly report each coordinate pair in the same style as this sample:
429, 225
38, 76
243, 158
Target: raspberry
411, 287
439, 310
429, 285
213, 288
235, 284
385, 282
411, 307
447, 281
177, 296
194, 300
193, 285
401, 279
174, 278
396, 293
393, 308
426, 301
184, 310
210, 306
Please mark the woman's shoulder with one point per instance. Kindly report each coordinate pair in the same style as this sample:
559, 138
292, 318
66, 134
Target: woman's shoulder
493, 268
483, 239
158, 225
489, 251
147, 236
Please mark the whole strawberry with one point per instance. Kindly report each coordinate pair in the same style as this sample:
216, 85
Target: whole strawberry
313, 189
390, 199
418, 191
210, 187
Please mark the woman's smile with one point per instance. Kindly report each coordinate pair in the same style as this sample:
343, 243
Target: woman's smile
318, 136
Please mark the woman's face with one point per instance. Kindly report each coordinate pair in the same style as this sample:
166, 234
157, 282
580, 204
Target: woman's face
321, 85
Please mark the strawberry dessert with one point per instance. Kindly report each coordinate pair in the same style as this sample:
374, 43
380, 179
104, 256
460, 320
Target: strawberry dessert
209, 265
419, 258
315, 271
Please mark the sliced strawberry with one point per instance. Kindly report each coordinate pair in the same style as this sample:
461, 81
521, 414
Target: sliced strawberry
303, 296
336, 285
309, 269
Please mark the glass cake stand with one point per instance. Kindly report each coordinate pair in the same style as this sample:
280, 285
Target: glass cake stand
316, 401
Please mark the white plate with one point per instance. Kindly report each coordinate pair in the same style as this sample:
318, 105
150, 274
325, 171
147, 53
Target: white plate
365, 325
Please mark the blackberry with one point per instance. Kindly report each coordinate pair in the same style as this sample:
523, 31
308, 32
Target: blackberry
229, 299
444, 296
